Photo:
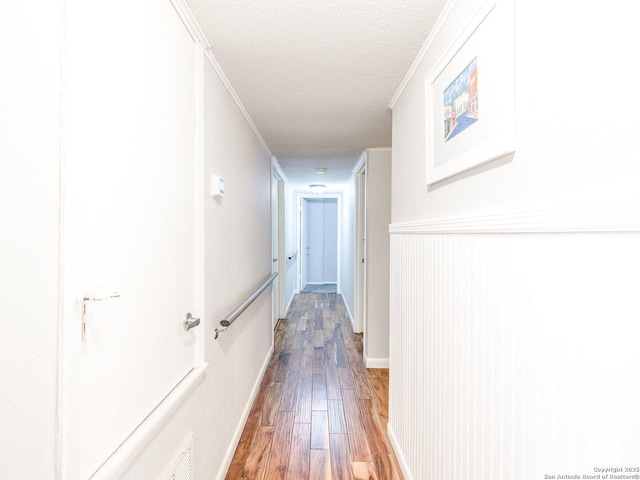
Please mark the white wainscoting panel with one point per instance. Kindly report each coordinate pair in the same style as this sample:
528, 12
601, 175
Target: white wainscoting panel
514, 355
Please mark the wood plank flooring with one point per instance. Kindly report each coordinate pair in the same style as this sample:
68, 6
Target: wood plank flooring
319, 413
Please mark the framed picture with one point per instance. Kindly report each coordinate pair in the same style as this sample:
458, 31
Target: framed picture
470, 96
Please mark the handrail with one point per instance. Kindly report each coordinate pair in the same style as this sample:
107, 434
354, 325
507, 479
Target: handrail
230, 318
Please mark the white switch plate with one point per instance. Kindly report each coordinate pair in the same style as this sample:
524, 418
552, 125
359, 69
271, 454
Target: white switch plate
217, 186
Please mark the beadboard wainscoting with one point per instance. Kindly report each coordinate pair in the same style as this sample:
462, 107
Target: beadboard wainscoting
515, 355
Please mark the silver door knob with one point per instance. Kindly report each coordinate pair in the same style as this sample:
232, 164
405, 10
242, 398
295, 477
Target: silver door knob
190, 322
98, 298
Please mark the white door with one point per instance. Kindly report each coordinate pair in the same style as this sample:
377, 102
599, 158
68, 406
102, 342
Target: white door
361, 251
128, 216
304, 247
275, 223
330, 240
315, 240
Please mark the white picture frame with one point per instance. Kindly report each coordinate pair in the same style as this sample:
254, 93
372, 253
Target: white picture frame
476, 78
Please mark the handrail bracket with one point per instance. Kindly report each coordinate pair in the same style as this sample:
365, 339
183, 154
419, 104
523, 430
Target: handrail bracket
230, 318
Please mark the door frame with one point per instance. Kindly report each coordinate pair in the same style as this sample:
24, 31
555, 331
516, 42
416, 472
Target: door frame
68, 441
279, 175
360, 246
300, 198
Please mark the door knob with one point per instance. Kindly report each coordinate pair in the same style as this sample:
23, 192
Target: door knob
190, 322
98, 298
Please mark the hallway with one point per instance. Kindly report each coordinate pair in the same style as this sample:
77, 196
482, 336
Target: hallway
316, 413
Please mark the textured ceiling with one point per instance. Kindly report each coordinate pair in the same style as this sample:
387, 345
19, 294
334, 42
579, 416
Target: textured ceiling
316, 76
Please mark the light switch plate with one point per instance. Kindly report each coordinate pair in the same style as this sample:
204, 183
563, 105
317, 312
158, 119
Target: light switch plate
217, 186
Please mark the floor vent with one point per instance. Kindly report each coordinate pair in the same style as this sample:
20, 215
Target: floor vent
182, 466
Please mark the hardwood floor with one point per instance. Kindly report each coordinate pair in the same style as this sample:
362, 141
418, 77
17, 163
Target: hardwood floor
319, 413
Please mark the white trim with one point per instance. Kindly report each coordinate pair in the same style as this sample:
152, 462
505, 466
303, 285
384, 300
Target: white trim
192, 26
379, 149
363, 158
360, 247
143, 433
278, 170
621, 216
226, 462
199, 204
353, 325
214, 63
282, 264
299, 198
446, 11
399, 454
376, 362
63, 358
360, 163
283, 182
293, 295
190, 23
299, 286
277, 245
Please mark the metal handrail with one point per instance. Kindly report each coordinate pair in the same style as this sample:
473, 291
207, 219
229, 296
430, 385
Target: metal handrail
230, 318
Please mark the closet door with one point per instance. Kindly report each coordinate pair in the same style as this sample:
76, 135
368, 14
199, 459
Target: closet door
129, 218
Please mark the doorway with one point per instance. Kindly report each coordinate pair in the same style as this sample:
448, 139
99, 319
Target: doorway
277, 241
361, 249
319, 234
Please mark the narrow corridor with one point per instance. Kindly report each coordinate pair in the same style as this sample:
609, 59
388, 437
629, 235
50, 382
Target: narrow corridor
319, 413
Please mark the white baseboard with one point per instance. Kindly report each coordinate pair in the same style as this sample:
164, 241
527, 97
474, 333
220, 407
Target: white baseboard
353, 325
226, 462
295, 292
399, 454
376, 362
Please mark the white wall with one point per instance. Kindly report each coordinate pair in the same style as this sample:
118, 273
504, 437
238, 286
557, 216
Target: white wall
314, 249
330, 240
30, 36
347, 246
291, 242
378, 181
588, 157
521, 379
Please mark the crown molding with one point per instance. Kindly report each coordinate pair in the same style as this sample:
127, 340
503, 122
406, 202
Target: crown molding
378, 149
446, 11
278, 169
621, 216
216, 66
191, 24
360, 163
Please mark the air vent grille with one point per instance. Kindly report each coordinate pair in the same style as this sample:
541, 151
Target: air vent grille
182, 466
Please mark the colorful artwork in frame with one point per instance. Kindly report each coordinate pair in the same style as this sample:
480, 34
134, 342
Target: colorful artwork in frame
458, 136
460, 100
